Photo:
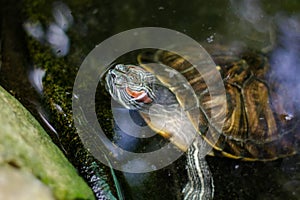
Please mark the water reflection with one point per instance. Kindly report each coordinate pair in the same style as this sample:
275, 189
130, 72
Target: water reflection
35, 30
62, 15
55, 35
36, 78
251, 12
285, 58
58, 40
254, 26
283, 46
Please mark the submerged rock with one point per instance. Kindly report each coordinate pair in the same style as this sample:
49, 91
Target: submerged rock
29, 161
27, 185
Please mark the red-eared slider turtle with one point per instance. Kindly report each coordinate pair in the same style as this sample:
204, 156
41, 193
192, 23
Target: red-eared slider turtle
260, 123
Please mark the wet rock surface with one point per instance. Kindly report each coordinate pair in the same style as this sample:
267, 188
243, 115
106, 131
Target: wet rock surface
36, 165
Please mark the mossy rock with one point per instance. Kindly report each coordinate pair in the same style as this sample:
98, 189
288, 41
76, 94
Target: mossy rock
25, 146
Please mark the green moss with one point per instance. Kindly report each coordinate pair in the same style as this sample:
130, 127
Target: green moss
58, 100
58, 83
24, 144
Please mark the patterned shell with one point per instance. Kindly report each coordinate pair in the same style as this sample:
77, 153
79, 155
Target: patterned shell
261, 122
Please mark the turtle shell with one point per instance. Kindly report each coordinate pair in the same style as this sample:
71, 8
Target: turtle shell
261, 123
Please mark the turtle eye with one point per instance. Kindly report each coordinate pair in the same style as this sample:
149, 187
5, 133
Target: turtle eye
112, 75
119, 81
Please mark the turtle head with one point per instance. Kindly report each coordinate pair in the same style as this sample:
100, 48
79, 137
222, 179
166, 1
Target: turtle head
131, 86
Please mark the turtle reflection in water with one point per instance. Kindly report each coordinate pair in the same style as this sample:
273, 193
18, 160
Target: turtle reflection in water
260, 120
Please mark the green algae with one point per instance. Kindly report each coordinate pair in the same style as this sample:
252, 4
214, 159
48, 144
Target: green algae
57, 88
25, 145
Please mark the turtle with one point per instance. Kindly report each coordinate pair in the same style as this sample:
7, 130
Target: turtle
259, 121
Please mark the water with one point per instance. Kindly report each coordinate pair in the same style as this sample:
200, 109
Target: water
68, 30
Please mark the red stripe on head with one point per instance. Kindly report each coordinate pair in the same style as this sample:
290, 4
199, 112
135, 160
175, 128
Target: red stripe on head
140, 96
